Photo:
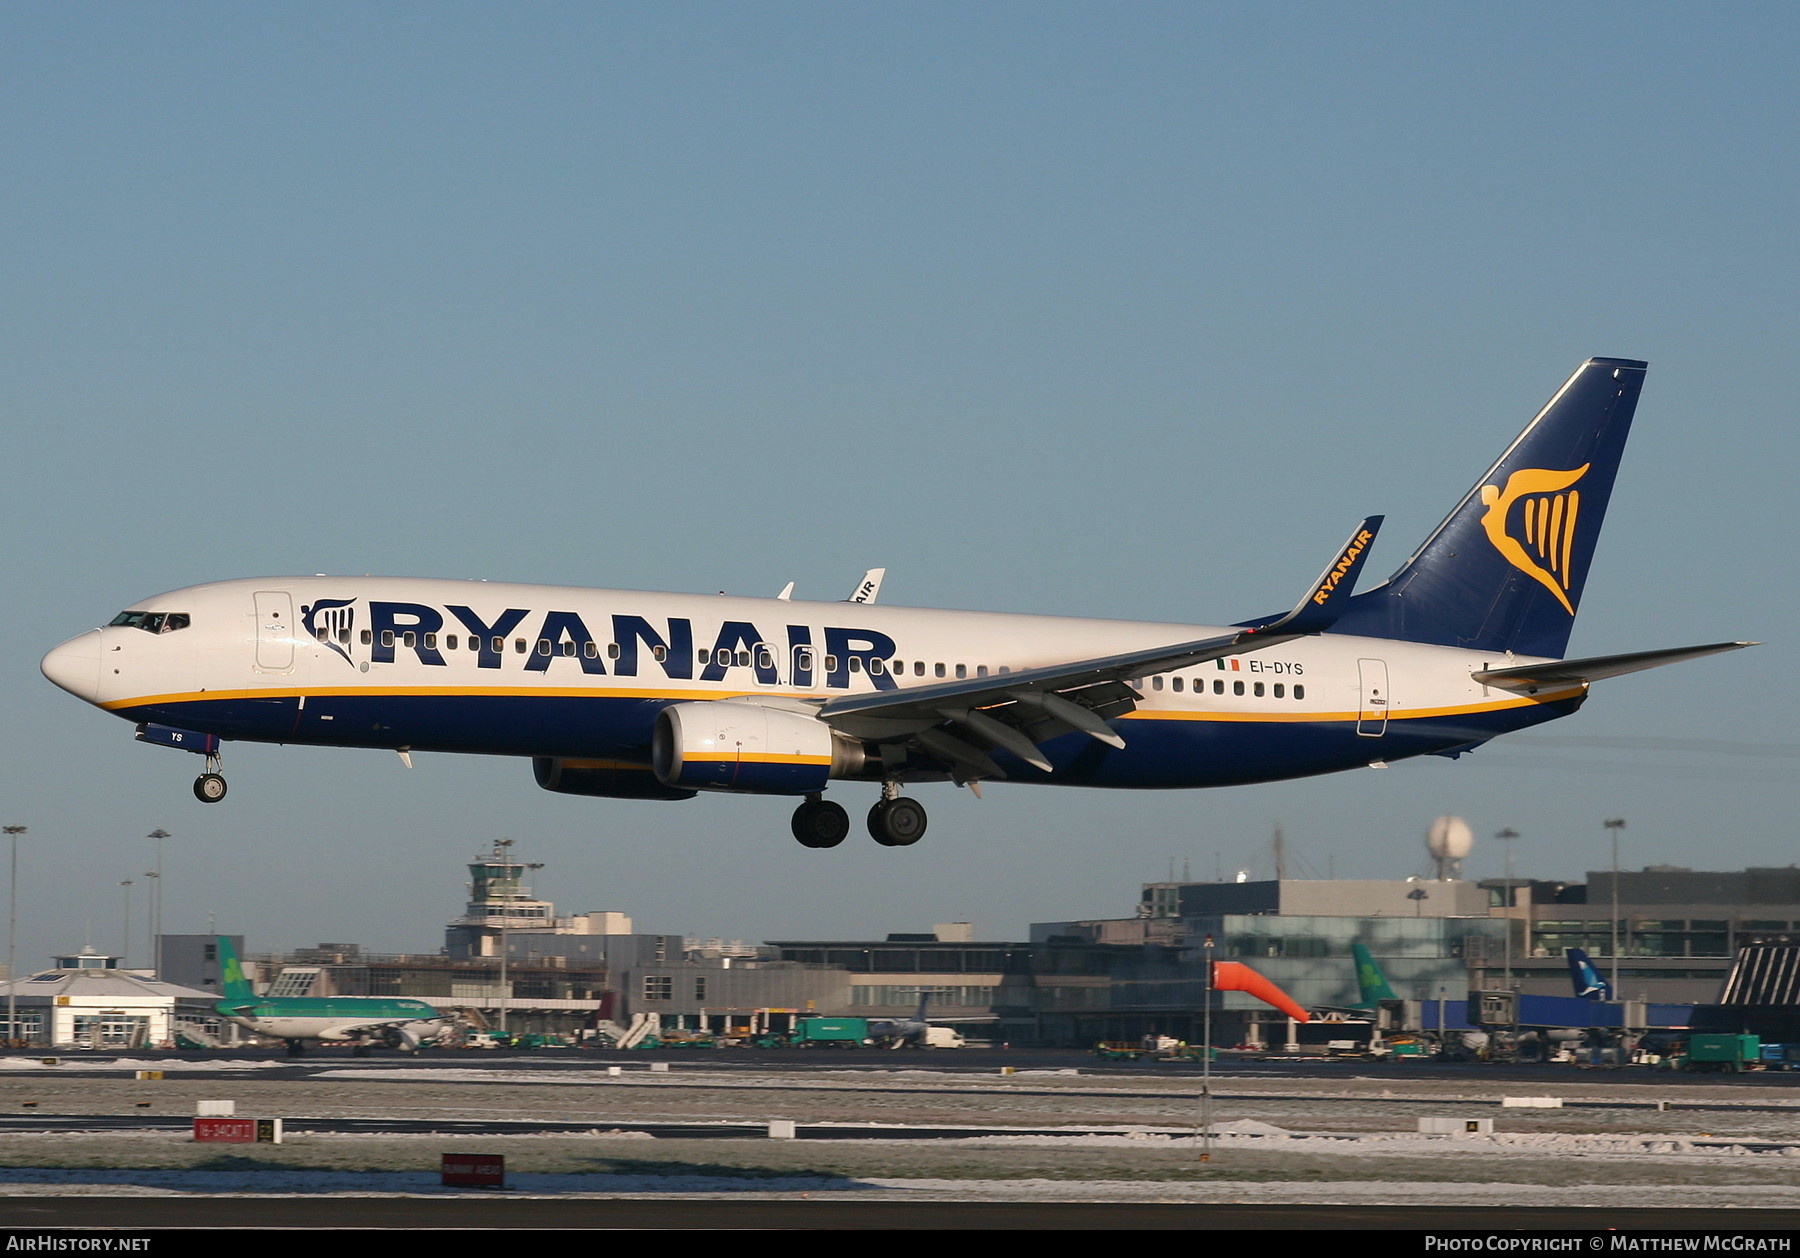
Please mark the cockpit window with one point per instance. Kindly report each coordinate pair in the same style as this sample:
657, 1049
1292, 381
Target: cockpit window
152, 622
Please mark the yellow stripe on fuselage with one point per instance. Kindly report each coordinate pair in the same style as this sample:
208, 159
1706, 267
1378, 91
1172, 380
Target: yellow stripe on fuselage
675, 696
1397, 714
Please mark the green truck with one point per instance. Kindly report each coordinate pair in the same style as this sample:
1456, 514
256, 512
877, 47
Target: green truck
1722, 1052
831, 1032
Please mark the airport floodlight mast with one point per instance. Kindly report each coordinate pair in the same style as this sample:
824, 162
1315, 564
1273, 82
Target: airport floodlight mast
1613, 826
1507, 836
156, 900
505, 871
1206, 1053
12, 920
125, 947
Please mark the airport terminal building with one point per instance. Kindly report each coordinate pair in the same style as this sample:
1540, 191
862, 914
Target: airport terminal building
510, 960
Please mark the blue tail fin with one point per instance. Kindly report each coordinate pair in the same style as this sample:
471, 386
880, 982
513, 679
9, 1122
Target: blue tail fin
1585, 978
1505, 570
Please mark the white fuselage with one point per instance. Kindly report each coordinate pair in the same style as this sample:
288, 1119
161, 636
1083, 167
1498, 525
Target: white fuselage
556, 671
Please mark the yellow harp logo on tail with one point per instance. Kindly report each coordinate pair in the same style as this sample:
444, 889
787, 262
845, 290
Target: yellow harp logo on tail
1545, 539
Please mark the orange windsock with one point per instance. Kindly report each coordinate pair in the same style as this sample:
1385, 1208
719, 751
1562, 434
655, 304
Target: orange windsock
1234, 976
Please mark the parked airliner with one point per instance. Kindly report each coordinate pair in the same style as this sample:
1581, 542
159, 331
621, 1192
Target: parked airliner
659, 696
363, 1021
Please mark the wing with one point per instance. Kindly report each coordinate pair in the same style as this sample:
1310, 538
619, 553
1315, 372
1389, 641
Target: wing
959, 722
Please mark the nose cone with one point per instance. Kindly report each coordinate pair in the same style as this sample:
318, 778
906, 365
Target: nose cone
75, 666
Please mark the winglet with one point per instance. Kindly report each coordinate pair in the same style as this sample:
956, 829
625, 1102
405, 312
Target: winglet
1325, 601
868, 587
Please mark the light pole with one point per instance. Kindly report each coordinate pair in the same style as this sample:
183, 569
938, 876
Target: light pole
1507, 836
1613, 826
159, 834
12, 920
125, 948
1206, 1052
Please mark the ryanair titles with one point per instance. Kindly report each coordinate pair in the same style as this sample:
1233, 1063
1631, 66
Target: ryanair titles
1357, 545
537, 640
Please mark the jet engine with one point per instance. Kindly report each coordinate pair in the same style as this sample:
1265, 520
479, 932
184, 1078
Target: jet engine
601, 777
728, 746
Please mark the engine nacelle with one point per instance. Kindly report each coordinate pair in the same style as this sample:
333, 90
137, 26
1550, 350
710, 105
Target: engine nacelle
728, 746
601, 777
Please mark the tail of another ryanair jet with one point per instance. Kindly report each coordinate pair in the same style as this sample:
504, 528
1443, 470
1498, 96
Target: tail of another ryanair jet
1505, 570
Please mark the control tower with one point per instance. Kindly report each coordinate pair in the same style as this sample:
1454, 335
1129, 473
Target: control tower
499, 901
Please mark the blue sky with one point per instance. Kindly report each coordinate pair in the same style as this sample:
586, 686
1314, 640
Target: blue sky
1121, 310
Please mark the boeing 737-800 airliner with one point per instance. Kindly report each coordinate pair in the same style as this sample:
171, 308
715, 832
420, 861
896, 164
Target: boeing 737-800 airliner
659, 696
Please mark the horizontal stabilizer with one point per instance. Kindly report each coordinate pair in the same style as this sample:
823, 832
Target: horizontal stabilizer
1529, 677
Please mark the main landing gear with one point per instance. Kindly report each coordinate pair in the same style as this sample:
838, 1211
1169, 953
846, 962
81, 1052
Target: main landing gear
897, 822
893, 822
209, 787
820, 823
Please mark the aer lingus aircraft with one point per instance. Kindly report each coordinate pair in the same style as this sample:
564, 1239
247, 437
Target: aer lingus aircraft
659, 696
363, 1021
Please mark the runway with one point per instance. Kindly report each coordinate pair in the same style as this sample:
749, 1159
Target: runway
893, 1141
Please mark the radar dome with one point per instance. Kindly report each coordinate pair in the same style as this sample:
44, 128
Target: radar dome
1449, 839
